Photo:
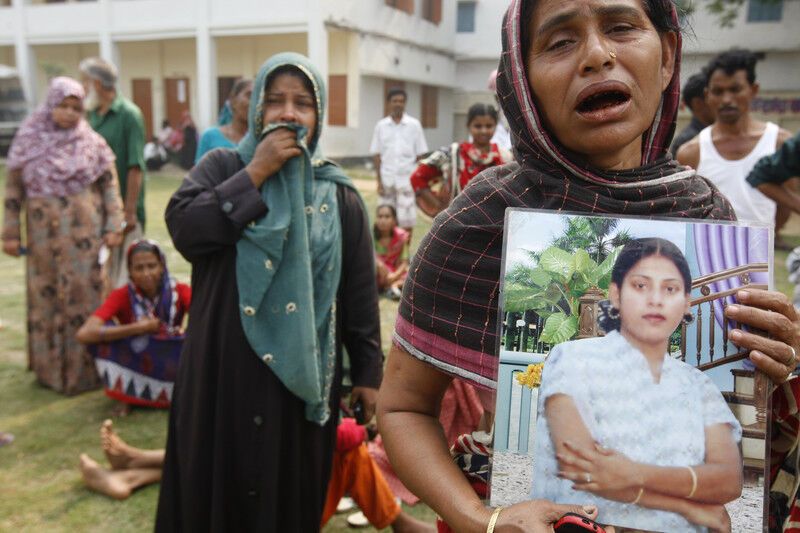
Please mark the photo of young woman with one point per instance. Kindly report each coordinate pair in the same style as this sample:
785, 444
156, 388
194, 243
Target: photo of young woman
622, 425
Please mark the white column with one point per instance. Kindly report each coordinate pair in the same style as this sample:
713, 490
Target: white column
24, 56
206, 52
108, 48
317, 38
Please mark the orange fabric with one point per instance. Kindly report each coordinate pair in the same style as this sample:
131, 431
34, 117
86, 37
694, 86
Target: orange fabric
355, 473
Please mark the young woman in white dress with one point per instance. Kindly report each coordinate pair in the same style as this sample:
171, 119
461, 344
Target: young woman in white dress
645, 437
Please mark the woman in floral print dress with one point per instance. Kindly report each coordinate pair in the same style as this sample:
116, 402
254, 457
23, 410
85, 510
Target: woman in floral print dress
63, 174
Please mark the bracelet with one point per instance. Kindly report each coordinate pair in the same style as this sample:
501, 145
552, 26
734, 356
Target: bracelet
493, 520
694, 482
103, 333
638, 496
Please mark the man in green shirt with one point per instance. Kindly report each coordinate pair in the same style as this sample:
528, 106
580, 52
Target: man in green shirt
121, 123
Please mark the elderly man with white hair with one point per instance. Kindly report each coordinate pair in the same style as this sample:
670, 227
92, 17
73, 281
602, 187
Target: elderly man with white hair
120, 122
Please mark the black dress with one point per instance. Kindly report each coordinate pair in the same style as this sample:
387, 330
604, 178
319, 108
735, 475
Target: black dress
240, 454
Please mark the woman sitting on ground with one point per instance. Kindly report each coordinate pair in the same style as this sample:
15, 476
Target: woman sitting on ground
151, 305
391, 251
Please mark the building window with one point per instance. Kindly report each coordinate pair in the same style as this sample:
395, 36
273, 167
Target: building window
764, 10
402, 5
337, 100
465, 17
432, 10
430, 106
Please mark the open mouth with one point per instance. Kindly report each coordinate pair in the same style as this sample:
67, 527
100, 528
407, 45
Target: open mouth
603, 100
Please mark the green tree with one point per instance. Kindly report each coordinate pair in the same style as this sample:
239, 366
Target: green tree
554, 286
596, 235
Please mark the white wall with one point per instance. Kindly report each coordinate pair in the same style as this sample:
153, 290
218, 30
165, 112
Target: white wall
147, 19
157, 60
710, 38
484, 42
244, 55
59, 60
388, 58
374, 16
355, 141
473, 74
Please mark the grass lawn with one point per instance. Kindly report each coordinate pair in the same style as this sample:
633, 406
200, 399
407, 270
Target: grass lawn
40, 487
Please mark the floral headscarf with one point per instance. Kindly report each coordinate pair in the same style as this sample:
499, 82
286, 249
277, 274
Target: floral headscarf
55, 161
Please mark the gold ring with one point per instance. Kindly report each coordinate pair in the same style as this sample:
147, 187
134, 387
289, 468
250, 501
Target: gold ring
612, 54
792, 364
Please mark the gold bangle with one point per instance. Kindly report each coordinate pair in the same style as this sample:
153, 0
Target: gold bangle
694, 482
493, 520
638, 496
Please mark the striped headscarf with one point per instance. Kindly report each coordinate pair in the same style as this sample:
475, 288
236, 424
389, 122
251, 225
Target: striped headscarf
448, 314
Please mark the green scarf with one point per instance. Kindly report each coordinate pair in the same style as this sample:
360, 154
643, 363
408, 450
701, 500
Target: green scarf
289, 262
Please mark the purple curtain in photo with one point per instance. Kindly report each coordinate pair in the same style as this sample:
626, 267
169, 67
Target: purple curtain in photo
720, 247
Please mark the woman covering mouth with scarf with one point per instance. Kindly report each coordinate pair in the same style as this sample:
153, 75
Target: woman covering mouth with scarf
283, 276
591, 92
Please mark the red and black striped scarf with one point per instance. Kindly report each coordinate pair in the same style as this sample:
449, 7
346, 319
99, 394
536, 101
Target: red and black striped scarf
448, 314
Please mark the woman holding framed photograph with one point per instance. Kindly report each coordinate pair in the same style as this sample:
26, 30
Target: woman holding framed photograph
591, 91
644, 437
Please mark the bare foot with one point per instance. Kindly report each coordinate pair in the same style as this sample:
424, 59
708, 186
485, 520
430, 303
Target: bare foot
119, 454
122, 456
101, 480
405, 523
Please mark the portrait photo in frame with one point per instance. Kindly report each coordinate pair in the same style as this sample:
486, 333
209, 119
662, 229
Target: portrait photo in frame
618, 383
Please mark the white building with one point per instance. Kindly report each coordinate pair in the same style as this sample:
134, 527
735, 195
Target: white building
177, 55
478, 50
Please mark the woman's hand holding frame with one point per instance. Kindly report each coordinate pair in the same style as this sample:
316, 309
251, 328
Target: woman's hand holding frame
772, 313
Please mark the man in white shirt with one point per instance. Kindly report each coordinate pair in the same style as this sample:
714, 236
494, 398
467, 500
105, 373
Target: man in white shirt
397, 144
727, 151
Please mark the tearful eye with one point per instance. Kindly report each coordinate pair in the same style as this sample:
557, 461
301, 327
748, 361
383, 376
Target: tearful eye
621, 28
558, 45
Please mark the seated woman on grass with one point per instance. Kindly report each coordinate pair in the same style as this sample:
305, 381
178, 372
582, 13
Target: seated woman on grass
391, 251
138, 330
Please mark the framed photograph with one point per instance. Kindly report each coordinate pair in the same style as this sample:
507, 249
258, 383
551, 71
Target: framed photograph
618, 383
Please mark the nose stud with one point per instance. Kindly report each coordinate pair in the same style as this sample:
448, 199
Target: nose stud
613, 54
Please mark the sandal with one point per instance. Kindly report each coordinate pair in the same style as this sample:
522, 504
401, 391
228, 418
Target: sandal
345, 504
357, 520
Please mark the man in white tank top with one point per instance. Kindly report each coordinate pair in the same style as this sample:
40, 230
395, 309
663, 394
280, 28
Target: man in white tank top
727, 151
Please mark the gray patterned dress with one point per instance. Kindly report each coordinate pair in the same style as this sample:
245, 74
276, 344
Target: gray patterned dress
65, 283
